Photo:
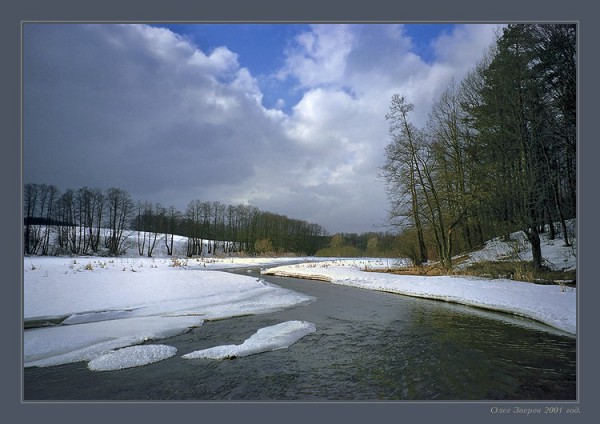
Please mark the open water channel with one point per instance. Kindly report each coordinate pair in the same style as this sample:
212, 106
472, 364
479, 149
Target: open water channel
368, 346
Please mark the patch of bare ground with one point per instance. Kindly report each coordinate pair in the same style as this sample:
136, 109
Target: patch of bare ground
429, 269
521, 271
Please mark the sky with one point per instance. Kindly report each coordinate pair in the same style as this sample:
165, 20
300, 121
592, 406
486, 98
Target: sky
289, 118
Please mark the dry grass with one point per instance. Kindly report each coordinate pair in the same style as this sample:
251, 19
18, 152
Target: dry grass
520, 271
513, 270
430, 269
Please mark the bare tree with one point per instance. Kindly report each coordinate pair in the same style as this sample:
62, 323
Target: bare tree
120, 207
38, 211
194, 222
171, 217
401, 168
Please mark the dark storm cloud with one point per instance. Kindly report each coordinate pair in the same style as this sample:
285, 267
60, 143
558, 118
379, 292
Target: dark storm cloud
113, 106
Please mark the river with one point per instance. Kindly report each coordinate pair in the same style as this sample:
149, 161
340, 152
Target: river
368, 346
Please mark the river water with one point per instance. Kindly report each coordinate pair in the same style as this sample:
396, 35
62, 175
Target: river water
368, 346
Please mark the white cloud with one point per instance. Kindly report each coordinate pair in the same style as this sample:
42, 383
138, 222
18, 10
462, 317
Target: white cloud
322, 114
465, 45
349, 73
319, 56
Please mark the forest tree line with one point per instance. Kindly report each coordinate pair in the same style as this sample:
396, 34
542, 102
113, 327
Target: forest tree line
91, 221
497, 154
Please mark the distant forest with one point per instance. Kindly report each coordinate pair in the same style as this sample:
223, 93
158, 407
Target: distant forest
497, 155
91, 221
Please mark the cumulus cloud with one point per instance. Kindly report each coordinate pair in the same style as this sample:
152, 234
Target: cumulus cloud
145, 109
319, 56
465, 44
349, 73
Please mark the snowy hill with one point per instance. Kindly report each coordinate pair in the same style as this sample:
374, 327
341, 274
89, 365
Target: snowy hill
556, 255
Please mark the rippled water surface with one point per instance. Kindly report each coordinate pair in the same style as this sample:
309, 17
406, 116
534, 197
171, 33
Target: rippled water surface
368, 346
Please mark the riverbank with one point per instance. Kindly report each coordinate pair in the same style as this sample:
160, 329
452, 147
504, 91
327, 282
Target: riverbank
553, 305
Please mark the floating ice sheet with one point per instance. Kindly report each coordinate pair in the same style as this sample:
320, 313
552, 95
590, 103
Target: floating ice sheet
280, 336
133, 356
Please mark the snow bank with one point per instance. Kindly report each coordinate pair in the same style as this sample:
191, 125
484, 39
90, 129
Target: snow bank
133, 356
552, 305
115, 303
136, 289
280, 336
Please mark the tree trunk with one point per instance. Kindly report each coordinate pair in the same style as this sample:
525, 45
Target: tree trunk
536, 249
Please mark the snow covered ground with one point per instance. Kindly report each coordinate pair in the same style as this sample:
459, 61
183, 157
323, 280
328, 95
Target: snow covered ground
121, 302
108, 307
556, 255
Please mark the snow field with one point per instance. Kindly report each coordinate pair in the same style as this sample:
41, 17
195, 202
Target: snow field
556, 255
74, 343
553, 305
113, 304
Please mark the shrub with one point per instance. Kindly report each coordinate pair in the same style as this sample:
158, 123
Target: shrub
263, 246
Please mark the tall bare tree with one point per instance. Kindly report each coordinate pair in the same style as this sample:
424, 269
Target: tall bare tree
401, 169
120, 208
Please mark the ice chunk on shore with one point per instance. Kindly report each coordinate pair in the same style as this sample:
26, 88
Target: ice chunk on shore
133, 356
280, 336
73, 343
109, 309
86, 317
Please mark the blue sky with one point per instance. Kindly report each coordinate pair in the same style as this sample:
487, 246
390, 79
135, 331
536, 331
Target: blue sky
287, 117
261, 48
